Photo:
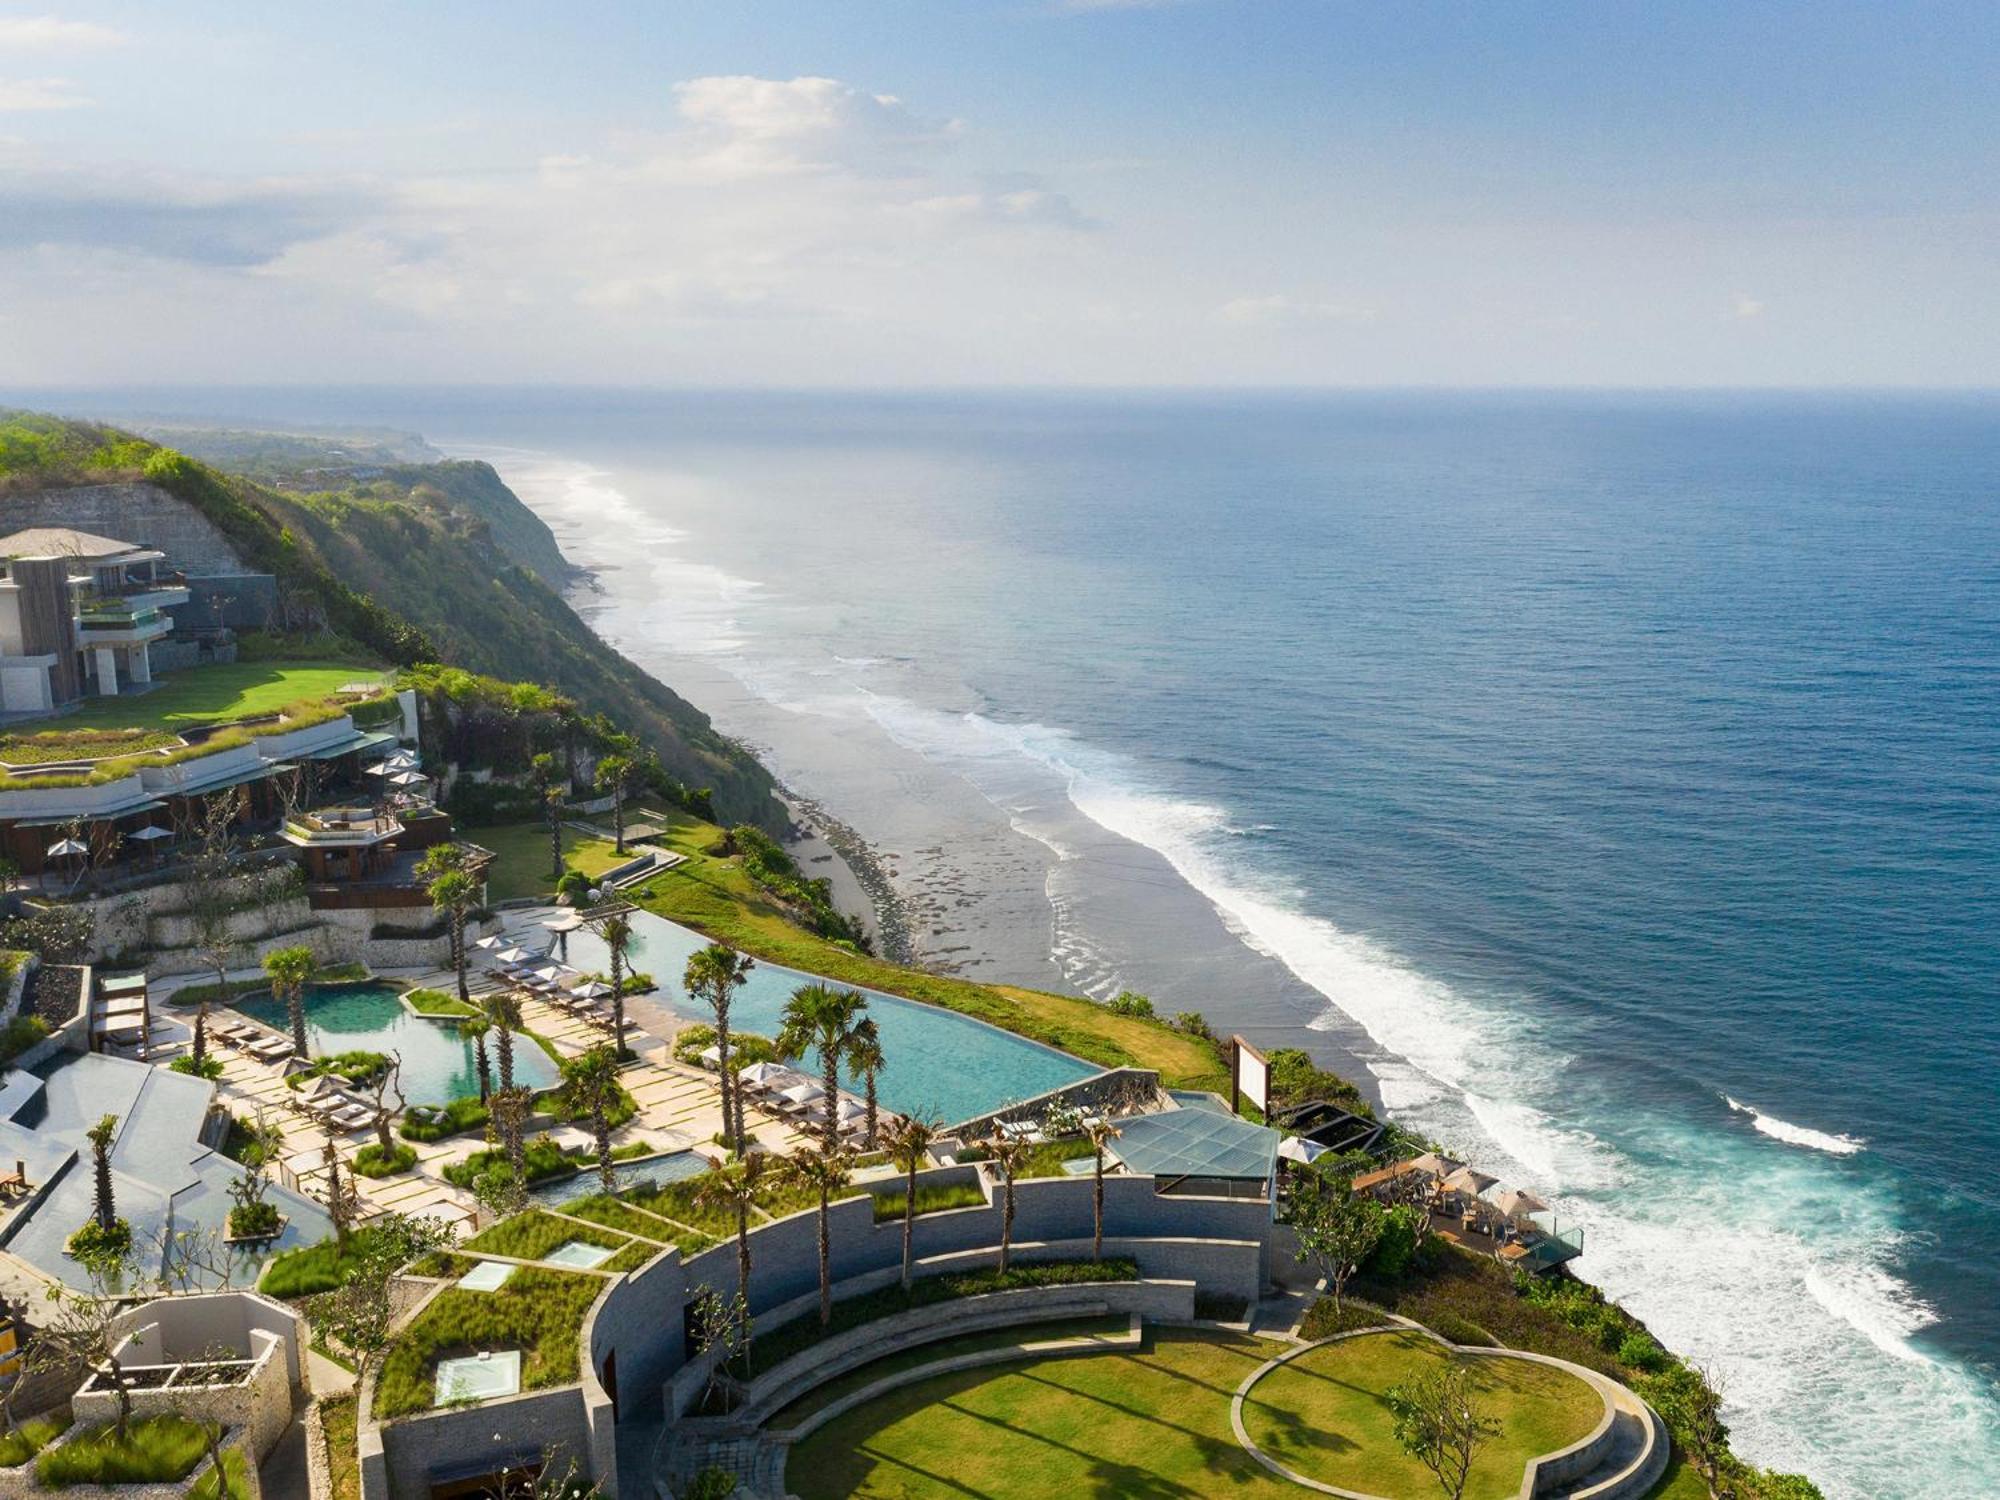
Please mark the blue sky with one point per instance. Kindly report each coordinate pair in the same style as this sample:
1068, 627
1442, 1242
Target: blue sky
1045, 192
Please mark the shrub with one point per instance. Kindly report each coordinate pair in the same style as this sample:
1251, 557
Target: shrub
691, 1041
30, 1438
209, 1067
372, 1161
541, 1159
155, 1450
1461, 1331
1130, 1003
254, 1220
712, 1483
91, 1240
356, 1069
19, 1034
931, 1198
1403, 1229
456, 1118
1322, 1322
205, 1488
312, 1269
1193, 1023
573, 888
1642, 1352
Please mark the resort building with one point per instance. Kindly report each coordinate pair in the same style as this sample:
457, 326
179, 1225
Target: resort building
79, 614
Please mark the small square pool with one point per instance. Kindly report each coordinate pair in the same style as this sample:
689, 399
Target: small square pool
579, 1255
487, 1276
479, 1377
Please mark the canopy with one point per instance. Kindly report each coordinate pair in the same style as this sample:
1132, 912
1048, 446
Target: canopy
802, 1093
850, 1109
488, 943
409, 778
1196, 1143
1297, 1148
1469, 1180
1435, 1165
150, 832
514, 956
62, 848
712, 1055
551, 975
595, 989
765, 1073
1516, 1204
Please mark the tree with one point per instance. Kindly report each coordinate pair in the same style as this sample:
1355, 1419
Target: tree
592, 1084
1100, 1134
1437, 1424
616, 930
82, 1329
510, 1110
909, 1141
474, 1030
821, 1018
454, 891
387, 1082
614, 775
289, 969
553, 792
104, 1209
60, 934
360, 1311
212, 899
503, 1009
1008, 1155
253, 1217
864, 1055
341, 1195
1336, 1228
735, 1193
1690, 1399
713, 976
824, 1173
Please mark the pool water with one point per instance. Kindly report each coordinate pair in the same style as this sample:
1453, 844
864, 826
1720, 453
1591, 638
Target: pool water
940, 1063
438, 1063
654, 1171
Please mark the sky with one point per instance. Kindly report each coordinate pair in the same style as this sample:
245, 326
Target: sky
864, 193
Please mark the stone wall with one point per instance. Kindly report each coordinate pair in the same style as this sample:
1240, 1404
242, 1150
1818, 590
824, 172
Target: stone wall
19, 1484
138, 513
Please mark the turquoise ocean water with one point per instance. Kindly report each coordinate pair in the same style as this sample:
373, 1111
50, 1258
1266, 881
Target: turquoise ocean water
1614, 780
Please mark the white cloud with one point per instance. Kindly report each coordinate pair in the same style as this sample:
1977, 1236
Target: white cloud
22, 94
53, 34
1747, 306
1279, 311
744, 125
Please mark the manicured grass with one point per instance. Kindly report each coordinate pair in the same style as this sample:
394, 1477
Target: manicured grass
603, 1209
823, 1396
531, 1235
30, 1438
715, 897
522, 866
540, 1312
456, 1118
438, 1003
931, 1199
155, 1449
1153, 1423
208, 695
676, 1201
343, 1459
1325, 1415
371, 1161
311, 1268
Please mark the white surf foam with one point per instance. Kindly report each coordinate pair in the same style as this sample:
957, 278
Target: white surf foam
1797, 1135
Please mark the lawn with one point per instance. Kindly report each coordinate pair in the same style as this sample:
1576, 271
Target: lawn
1154, 1422
715, 897
206, 695
1324, 1416
522, 866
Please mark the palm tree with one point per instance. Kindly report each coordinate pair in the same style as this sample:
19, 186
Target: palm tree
474, 1029
821, 1018
714, 975
101, 1135
289, 969
909, 1142
614, 775
454, 892
1008, 1154
864, 1056
592, 1082
552, 797
1100, 1133
826, 1173
736, 1193
617, 933
503, 1008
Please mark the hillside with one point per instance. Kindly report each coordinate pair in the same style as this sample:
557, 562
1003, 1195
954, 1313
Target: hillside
431, 562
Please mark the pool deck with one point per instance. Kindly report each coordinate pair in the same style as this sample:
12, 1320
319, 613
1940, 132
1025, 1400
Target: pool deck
678, 1107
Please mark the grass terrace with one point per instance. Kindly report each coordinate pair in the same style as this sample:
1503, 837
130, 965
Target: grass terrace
677, 1201
219, 694
932, 1199
521, 868
539, 1312
155, 1450
30, 1438
532, 1235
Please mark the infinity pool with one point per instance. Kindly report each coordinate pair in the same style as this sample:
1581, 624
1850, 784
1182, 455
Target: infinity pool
653, 1171
367, 1016
940, 1063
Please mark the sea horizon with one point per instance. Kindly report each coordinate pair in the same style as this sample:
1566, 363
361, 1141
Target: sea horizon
1543, 819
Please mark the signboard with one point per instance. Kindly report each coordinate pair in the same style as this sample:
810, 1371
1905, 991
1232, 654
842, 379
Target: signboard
1250, 1076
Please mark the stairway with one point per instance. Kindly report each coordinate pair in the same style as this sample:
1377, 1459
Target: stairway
1632, 1463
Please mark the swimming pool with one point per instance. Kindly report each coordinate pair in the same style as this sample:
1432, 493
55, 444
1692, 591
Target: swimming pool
368, 1016
654, 1171
940, 1063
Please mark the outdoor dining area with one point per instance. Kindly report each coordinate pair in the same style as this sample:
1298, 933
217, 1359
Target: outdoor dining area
1477, 1211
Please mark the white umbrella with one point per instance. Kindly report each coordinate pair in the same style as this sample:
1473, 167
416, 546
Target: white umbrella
802, 1093
763, 1072
850, 1109
569, 921
380, 768
1298, 1148
63, 848
1516, 1204
150, 832
597, 989
551, 974
514, 956
712, 1056
409, 778
488, 943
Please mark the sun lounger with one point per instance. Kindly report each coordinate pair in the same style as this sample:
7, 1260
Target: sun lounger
270, 1050
349, 1117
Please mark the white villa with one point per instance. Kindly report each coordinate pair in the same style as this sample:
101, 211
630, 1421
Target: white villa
78, 613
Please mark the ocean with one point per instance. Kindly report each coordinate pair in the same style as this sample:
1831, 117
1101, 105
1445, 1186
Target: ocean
1611, 782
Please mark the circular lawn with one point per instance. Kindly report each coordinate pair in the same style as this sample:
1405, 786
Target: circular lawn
1323, 1415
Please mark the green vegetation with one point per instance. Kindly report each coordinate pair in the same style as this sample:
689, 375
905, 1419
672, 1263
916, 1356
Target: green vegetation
206, 1487
154, 1449
614, 1213
540, 1312
312, 1269
1152, 1423
30, 1438
931, 1199
522, 866
218, 694
343, 1456
209, 1067
541, 1159
531, 1235
372, 1161
355, 1068
51, 745
95, 1241
19, 1034
1323, 1415
435, 1122
810, 899
711, 893
1323, 1320
774, 1346
438, 1003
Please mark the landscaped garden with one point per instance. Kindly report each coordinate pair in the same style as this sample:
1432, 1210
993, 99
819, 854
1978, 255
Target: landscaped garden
538, 1312
218, 694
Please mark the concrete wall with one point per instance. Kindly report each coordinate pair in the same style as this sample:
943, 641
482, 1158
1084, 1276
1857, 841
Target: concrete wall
399, 1460
21, 1482
139, 513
